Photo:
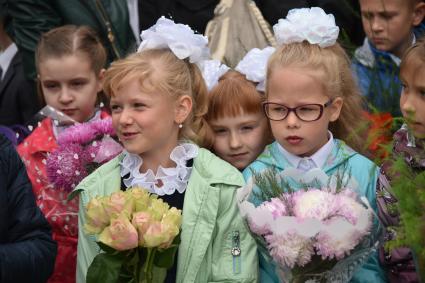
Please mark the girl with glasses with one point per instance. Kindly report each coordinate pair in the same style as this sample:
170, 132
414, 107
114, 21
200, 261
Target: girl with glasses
314, 110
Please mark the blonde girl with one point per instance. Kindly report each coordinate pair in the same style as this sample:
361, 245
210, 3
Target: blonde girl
314, 110
158, 99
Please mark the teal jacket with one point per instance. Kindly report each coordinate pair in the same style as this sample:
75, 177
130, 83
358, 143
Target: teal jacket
362, 169
210, 217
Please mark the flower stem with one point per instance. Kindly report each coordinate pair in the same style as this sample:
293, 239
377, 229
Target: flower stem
148, 266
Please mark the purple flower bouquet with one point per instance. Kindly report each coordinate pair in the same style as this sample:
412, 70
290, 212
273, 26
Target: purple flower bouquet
312, 227
81, 149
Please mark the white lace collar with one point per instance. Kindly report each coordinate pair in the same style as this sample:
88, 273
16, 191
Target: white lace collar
173, 179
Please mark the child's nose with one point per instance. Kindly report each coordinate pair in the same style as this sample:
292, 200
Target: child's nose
235, 140
292, 120
65, 96
376, 24
125, 117
407, 104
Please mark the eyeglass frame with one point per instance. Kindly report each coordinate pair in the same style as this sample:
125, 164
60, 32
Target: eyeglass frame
290, 109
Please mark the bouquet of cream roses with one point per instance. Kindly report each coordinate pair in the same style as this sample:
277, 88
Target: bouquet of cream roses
137, 232
312, 227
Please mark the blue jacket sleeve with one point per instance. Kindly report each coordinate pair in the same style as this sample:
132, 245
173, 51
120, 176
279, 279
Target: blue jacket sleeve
27, 250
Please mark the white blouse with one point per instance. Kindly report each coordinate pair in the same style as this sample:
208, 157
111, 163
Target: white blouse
172, 179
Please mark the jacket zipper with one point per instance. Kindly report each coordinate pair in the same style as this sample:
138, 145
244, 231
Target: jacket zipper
236, 252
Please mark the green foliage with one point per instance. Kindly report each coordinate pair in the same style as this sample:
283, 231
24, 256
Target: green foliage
270, 185
408, 186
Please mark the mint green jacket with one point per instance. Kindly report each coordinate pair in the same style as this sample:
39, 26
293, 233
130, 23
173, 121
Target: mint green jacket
210, 219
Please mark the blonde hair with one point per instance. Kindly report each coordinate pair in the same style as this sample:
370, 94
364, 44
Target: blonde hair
416, 51
159, 70
337, 79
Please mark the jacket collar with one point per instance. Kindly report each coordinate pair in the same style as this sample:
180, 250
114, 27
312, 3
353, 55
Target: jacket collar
340, 153
6, 58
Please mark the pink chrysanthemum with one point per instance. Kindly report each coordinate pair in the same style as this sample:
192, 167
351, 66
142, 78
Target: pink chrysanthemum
258, 229
290, 249
276, 206
65, 166
104, 126
338, 239
86, 132
82, 148
348, 207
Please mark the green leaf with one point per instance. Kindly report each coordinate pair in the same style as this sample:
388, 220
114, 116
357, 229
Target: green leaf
165, 258
107, 249
105, 268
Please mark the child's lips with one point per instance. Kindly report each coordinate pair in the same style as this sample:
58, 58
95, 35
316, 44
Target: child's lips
238, 155
128, 135
294, 140
69, 111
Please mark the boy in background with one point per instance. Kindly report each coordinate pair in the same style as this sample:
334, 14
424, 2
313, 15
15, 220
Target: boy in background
391, 26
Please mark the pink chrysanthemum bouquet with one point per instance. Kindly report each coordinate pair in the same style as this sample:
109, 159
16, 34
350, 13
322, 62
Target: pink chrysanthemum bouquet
315, 232
81, 149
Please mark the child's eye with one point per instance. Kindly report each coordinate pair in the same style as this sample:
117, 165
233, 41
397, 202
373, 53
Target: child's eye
78, 83
306, 109
51, 86
139, 105
387, 16
278, 109
220, 131
247, 128
115, 108
366, 16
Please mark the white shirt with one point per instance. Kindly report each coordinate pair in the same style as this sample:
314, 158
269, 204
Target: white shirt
133, 13
317, 160
6, 57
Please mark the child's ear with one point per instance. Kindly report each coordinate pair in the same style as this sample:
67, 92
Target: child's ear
183, 108
418, 13
335, 108
100, 77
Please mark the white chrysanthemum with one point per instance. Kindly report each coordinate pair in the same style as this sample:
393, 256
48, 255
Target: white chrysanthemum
179, 38
311, 24
313, 203
254, 65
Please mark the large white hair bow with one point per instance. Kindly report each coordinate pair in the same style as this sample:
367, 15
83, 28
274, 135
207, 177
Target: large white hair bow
254, 65
212, 70
179, 38
311, 24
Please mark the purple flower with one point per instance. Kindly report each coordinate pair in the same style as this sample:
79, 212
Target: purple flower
82, 148
86, 132
65, 166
